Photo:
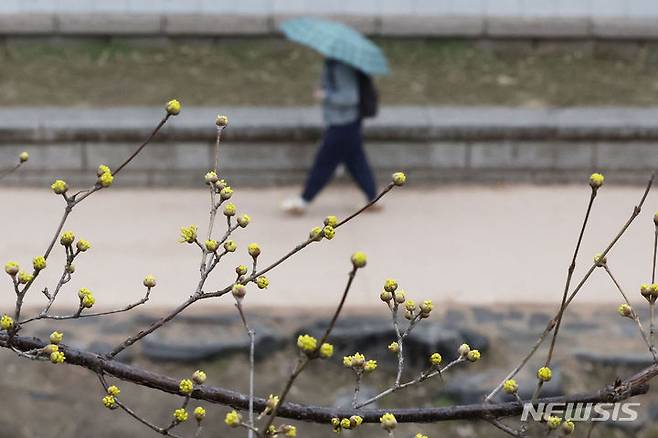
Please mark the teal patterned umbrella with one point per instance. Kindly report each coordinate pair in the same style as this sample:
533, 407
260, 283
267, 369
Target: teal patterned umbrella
337, 41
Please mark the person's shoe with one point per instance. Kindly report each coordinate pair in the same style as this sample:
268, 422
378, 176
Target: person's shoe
294, 206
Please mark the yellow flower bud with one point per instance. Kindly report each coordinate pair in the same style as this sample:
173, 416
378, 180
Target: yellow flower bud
211, 245
241, 270
544, 374
59, 187
331, 221
510, 386
326, 350
39, 263
253, 249
149, 281
113, 390
11, 268
307, 344
328, 232
625, 310
262, 282
67, 238
24, 277
199, 377
23, 157
221, 121
56, 337
394, 347
233, 419
180, 415
596, 180
473, 356
316, 234
388, 422
199, 413
463, 350
244, 220
230, 246
359, 259
211, 177
106, 179
186, 386
173, 107
229, 209
436, 359
6, 322
83, 245
226, 193
399, 178
239, 290
390, 285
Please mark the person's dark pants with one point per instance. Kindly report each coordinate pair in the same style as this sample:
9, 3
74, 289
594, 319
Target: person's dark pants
341, 144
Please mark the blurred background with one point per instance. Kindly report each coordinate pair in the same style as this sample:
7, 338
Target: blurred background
497, 111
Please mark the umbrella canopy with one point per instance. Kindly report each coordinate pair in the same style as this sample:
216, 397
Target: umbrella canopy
337, 41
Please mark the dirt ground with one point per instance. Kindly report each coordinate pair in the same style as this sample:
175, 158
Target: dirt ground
257, 71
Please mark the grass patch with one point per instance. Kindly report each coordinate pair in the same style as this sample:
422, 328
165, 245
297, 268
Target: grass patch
260, 71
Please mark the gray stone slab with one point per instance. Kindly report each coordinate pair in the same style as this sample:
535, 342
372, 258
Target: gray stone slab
509, 26
418, 25
621, 27
627, 155
448, 155
215, 24
52, 157
21, 23
109, 23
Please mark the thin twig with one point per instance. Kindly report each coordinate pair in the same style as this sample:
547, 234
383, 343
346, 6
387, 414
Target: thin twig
635, 317
551, 323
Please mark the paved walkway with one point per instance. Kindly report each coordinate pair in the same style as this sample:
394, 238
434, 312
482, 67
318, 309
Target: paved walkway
466, 244
474, 18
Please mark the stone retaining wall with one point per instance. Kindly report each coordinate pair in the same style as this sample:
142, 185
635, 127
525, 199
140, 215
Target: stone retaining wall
276, 145
635, 19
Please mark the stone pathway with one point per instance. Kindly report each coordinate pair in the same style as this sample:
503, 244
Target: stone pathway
473, 244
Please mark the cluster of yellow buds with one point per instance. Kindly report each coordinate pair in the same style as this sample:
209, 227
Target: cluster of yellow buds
233, 419
180, 415
225, 192
553, 422
56, 337
211, 177
188, 234
12, 268
626, 311
394, 347
600, 260
388, 422
262, 282
307, 344
254, 250
211, 245
420, 435
83, 245
39, 263
596, 180
467, 353
544, 374
199, 377
67, 238
650, 292
199, 414
24, 277
241, 270
239, 291
87, 299
59, 187
221, 121
510, 386
230, 246
359, 259
229, 209
399, 178
436, 359
149, 281
288, 430
346, 423
243, 220
359, 364
105, 177
186, 387
271, 403
6, 322
23, 157
57, 357
110, 402
173, 107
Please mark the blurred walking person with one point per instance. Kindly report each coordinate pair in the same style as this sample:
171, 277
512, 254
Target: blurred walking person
348, 96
